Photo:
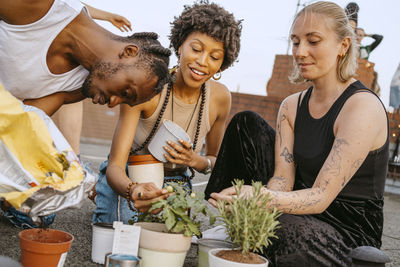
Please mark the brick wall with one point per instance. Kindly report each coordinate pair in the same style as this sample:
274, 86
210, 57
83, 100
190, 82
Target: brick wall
279, 84
99, 121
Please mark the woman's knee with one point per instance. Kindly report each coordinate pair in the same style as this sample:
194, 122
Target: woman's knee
251, 123
246, 116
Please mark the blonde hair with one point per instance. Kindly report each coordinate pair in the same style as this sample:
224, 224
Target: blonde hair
347, 65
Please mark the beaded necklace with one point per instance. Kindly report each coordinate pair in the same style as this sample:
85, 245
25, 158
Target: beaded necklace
153, 131
191, 116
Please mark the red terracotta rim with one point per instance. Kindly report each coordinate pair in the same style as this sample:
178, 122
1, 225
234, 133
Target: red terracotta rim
53, 241
142, 159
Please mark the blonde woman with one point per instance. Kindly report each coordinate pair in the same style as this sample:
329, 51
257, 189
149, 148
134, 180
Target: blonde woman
331, 150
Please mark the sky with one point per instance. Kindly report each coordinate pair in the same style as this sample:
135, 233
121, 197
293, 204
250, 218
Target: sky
265, 32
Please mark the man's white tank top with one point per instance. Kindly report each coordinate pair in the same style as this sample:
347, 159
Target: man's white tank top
23, 50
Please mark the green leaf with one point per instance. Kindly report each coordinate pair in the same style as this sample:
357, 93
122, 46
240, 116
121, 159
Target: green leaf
187, 232
179, 227
194, 228
170, 219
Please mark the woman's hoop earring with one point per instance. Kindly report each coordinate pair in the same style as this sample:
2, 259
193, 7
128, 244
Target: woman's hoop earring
217, 75
174, 69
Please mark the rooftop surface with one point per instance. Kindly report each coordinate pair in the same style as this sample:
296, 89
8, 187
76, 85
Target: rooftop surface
78, 222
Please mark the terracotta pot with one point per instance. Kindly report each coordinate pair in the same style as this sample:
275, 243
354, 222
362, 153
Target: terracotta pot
215, 261
145, 169
156, 246
44, 247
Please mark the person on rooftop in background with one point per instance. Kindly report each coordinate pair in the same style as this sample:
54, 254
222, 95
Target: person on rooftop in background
328, 168
351, 11
206, 41
365, 50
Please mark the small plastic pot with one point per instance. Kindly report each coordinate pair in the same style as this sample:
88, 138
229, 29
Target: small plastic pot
102, 241
168, 131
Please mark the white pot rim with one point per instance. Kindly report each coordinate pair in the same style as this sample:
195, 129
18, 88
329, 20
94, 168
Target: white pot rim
152, 237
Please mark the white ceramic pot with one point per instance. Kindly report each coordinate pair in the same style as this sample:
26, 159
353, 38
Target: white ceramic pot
206, 244
146, 169
158, 248
215, 261
102, 241
168, 131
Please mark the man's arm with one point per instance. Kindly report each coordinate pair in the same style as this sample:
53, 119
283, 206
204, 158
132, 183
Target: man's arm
51, 103
20, 12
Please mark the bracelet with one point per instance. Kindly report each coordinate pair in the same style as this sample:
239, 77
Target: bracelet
128, 196
207, 170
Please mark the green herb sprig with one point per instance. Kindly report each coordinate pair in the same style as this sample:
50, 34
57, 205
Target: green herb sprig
248, 222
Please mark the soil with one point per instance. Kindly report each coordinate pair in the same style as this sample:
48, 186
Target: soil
44, 236
237, 256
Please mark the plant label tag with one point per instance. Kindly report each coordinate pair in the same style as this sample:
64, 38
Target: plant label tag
126, 239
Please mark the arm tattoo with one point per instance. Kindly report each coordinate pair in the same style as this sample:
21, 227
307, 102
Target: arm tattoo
281, 119
333, 163
353, 169
295, 203
277, 183
287, 155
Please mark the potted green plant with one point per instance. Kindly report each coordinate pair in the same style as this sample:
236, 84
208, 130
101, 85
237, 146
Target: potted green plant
250, 225
166, 237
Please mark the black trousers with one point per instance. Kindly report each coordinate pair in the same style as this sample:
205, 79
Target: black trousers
246, 153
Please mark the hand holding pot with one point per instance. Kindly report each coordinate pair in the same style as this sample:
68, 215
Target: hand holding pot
181, 153
144, 194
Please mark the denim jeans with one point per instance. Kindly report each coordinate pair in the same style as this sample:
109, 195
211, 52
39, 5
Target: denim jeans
21, 220
112, 207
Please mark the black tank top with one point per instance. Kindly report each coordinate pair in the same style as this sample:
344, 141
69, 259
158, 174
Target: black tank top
313, 139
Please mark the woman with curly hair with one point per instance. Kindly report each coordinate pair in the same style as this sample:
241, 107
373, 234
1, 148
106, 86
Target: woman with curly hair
206, 40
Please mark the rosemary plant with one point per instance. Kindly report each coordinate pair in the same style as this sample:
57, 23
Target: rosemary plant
248, 222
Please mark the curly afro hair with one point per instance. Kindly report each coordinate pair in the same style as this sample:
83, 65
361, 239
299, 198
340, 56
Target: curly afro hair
212, 20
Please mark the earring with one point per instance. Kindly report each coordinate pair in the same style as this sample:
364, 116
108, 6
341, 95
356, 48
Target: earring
174, 69
217, 75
